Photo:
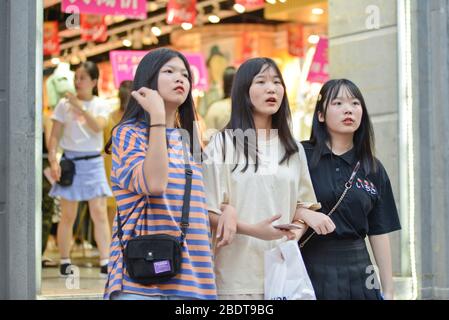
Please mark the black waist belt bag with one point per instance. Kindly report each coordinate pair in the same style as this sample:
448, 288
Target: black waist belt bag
156, 258
68, 169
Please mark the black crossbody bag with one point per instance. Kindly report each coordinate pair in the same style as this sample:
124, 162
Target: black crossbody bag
156, 258
68, 169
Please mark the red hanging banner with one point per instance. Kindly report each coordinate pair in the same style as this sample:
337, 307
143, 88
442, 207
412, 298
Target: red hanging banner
296, 40
51, 38
180, 11
249, 46
93, 28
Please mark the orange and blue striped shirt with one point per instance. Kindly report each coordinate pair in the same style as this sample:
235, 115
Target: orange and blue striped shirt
142, 214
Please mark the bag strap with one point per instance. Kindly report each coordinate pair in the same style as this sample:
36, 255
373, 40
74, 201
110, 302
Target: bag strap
187, 191
186, 200
348, 186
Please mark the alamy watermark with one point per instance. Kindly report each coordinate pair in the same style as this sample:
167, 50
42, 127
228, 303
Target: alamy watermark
372, 280
372, 21
237, 149
73, 20
73, 279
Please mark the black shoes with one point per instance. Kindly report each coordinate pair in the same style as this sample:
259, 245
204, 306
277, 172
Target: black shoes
104, 271
65, 269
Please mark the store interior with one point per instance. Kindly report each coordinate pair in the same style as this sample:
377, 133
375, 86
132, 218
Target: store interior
214, 34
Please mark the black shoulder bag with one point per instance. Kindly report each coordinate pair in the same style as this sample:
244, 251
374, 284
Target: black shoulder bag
156, 258
68, 169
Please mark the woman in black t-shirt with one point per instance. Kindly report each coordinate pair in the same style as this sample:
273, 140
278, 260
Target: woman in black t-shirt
337, 260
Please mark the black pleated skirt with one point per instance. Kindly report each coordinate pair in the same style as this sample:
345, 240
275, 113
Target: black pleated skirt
340, 269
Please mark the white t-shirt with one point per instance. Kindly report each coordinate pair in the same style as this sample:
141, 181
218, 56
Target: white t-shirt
77, 135
273, 189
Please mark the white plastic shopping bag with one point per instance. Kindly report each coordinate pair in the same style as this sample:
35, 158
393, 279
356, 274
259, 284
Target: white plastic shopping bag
286, 276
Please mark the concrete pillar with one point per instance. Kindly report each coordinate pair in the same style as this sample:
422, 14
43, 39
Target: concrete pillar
430, 74
21, 145
3, 141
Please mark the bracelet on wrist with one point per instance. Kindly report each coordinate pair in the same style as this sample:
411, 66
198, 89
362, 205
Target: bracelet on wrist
158, 125
300, 221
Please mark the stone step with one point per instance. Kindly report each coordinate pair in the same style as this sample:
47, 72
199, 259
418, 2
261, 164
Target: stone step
80, 296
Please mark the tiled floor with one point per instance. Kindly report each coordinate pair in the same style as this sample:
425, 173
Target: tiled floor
86, 282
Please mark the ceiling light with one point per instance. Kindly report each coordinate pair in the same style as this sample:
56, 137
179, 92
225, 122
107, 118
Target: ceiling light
317, 11
127, 43
186, 25
213, 18
156, 31
271, 1
313, 39
239, 8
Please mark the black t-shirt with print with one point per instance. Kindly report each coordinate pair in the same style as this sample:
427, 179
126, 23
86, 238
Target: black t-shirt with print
367, 209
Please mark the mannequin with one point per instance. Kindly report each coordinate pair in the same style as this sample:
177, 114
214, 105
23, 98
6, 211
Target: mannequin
61, 81
216, 64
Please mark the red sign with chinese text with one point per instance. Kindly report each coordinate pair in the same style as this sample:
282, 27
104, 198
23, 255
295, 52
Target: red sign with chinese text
93, 28
180, 11
51, 38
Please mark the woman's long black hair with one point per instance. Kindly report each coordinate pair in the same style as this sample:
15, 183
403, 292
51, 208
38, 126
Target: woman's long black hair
363, 137
242, 110
147, 76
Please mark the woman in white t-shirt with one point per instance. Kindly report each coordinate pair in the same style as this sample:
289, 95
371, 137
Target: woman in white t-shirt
255, 182
80, 120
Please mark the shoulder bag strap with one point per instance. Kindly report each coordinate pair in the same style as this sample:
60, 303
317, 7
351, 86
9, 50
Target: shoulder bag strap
186, 199
187, 192
348, 186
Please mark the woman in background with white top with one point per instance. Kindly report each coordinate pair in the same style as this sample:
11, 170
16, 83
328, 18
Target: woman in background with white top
80, 120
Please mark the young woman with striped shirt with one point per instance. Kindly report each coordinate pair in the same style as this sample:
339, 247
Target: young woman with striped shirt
148, 180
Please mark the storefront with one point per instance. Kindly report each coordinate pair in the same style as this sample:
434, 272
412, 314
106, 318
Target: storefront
374, 43
289, 32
